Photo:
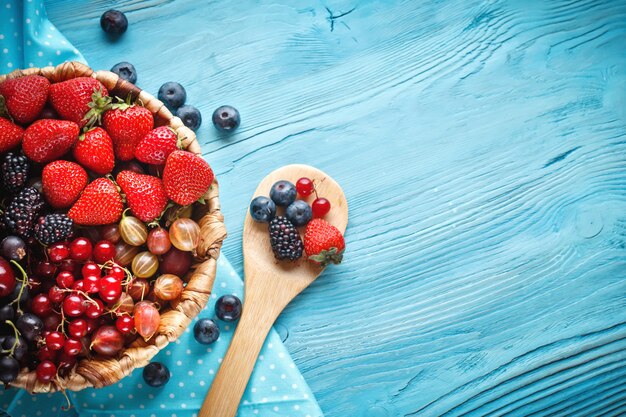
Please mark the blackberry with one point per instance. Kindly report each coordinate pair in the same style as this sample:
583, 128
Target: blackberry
285, 239
14, 172
53, 228
19, 217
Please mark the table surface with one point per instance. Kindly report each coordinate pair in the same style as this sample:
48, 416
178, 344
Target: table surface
482, 148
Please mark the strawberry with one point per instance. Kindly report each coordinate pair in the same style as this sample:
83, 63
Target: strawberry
145, 194
11, 135
48, 139
157, 145
100, 203
24, 97
323, 243
186, 177
127, 124
63, 181
81, 100
94, 150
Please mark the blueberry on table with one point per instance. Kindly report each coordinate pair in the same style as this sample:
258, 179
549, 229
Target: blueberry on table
126, 71
262, 209
226, 118
283, 193
156, 374
172, 94
299, 213
228, 308
190, 116
114, 22
206, 331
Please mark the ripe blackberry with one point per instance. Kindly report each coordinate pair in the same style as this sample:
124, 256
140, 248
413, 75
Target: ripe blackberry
19, 217
53, 228
14, 172
285, 239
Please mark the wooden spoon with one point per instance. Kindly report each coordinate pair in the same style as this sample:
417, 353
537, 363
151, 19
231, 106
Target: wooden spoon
269, 286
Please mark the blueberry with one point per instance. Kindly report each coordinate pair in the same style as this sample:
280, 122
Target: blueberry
20, 347
283, 193
9, 368
126, 71
262, 209
29, 325
299, 213
226, 118
7, 313
114, 22
172, 94
206, 331
190, 116
156, 374
228, 308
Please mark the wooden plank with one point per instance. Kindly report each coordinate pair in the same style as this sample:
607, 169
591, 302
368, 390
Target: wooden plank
481, 145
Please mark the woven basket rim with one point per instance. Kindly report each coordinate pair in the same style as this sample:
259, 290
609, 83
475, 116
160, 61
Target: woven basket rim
100, 371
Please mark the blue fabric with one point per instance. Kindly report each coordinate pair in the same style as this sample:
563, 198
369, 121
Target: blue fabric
276, 388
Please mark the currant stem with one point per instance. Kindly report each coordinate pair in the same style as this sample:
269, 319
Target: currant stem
24, 282
17, 335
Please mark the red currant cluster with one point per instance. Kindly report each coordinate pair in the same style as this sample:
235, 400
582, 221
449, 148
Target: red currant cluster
320, 206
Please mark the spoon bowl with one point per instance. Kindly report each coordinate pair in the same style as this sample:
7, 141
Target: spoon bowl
269, 286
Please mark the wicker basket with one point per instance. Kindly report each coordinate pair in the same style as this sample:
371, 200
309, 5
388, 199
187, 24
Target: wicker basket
99, 371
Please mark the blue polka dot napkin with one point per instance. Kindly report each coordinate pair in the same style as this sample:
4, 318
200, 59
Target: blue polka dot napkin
276, 389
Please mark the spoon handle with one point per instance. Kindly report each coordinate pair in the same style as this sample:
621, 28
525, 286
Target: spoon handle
233, 375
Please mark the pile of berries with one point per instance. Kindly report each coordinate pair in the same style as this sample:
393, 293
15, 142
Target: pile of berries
96, 235
323, 242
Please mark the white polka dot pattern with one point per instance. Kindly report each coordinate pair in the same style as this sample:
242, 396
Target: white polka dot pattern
35, 42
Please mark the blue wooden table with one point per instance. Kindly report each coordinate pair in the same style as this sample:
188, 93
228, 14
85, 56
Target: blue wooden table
482, 148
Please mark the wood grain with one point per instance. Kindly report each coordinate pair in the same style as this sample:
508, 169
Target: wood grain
269, 286
481, 145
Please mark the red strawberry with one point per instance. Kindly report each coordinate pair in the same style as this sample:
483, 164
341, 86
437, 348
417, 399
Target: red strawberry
157, 145
10, 135
63, 181
48, 139
127, 125
81, 100
323, 243
145, 194
25, 97
186, 177
100, 203
94, 150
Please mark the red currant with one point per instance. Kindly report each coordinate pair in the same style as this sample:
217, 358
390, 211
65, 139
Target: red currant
117, 272
45, 354
46, 371
125, 324
80, 249
110, 289
51, 322
304, 186
320, 207
56, 294
70, 265
94, 309
91, 284
65, 279
91, 269
46, 269
55, 340
41, 305
79, 285
74, 305
77, 328
72, 347
7, 278
91, 325
103, 251
59, 252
